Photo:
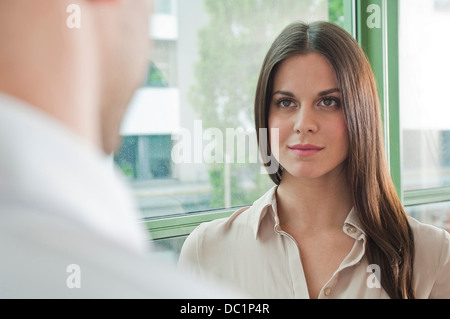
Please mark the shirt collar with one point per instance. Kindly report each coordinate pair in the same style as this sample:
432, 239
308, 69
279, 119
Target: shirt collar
352, 220
268, 204
261, 206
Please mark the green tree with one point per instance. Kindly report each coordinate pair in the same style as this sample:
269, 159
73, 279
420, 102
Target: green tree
336, 12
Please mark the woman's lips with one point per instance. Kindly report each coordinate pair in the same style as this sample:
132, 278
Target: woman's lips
305, 150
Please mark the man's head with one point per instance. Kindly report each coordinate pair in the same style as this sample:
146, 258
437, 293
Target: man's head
78, 60
123, 32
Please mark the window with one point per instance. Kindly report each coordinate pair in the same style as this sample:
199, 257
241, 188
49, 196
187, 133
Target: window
425, 114
424, 110
146, 157
202, 77
164, 7
437, 214
205, 63
200, 87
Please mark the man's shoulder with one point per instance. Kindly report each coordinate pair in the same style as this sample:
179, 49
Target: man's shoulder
50, 257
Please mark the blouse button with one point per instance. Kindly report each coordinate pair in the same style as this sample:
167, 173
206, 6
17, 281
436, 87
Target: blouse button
327, 291
351, 229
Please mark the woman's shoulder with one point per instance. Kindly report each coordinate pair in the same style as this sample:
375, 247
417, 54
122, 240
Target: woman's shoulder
223, 225
429, 240
212, 243
244, 220
432, 260
428, 236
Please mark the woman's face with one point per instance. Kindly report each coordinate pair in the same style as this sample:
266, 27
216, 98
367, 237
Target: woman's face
306, 109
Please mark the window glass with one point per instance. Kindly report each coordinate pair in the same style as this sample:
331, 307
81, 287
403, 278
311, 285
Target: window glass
434, 214
425, 112
189, 142
169, 248
164, 7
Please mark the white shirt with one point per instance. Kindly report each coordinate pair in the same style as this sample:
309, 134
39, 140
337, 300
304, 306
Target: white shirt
68, 226
250, 250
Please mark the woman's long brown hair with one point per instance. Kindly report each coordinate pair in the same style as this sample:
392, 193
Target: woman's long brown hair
390, 242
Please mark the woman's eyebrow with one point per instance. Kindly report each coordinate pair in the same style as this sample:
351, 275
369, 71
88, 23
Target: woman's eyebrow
323, 93
284, 93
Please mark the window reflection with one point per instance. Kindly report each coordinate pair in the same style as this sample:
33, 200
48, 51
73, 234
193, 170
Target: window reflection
425, 114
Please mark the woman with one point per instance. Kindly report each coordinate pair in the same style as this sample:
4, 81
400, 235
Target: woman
333, 227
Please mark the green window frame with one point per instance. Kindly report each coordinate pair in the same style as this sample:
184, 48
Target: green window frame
374, 23
382, 49
379, 39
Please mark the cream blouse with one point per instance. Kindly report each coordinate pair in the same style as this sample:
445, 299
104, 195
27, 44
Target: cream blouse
250, 251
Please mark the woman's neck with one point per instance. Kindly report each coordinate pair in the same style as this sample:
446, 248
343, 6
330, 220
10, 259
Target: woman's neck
319, 203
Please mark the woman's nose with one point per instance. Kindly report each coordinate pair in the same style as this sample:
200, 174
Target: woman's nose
305, 121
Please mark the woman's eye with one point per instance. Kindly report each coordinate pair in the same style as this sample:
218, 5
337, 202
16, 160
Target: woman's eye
329, 102
286, 103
